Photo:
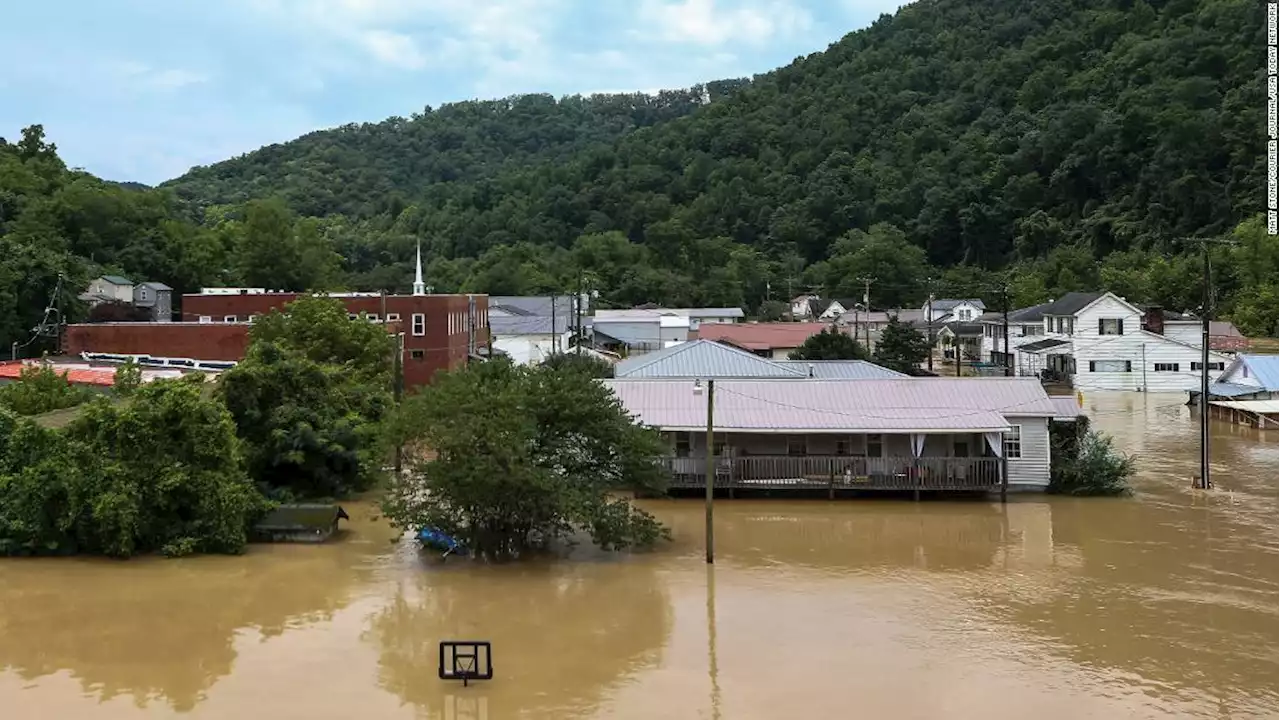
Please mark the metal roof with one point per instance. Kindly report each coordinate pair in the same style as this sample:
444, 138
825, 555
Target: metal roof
1068, 407
117, 280
703, 359
896, 405
1265, 407
154, 285
534, 304
1266, 368
762, 336
841, 369
1226, 389
528, 325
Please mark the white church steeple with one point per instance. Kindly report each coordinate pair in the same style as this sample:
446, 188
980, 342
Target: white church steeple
419, 287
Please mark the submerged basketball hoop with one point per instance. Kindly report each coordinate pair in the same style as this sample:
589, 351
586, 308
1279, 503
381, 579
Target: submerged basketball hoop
465, 660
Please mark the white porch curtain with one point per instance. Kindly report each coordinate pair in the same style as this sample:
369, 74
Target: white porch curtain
917, 444
995, 441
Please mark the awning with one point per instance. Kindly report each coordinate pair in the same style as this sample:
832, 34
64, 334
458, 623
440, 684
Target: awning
1040, 345
1262, 407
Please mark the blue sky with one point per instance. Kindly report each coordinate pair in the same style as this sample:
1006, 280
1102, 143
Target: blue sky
144, 89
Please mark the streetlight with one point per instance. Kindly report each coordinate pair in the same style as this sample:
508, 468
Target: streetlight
711, 461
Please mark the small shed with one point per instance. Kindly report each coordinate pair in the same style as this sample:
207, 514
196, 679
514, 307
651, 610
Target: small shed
308, 523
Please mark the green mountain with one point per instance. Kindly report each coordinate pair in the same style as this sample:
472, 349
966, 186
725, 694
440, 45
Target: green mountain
986, 130
960, 147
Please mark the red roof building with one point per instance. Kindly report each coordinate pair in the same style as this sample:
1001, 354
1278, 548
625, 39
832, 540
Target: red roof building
772, 340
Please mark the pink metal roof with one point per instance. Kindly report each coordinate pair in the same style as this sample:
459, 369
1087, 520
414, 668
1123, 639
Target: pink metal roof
892, 405
761, 336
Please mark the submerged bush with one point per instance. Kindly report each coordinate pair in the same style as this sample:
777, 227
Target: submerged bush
1084, 462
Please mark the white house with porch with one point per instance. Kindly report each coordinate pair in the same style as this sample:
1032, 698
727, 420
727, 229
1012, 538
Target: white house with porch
913, 434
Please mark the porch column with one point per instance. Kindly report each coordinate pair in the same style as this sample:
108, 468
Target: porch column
995, 440
917, 448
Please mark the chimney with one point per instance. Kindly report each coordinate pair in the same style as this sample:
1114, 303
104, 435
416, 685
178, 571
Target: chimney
1153, 319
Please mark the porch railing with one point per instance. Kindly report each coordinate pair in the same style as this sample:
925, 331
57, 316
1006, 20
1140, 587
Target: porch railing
840, 472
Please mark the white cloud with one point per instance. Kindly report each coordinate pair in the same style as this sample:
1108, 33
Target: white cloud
394, 49
702, 22
134, 75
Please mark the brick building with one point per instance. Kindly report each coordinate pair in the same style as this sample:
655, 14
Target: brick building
440, 331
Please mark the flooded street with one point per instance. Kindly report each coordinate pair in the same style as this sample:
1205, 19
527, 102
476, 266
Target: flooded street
1164, 604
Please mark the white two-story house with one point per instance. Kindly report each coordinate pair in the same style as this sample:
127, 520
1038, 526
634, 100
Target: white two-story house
948, 311
1099, 340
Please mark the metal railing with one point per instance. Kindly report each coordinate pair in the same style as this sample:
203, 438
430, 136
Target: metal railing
839, 472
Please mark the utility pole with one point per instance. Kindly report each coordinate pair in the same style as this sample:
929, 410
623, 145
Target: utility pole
929, 327
555, 341
1205, 483
578, 313
1004, 302
397, 390
711, 468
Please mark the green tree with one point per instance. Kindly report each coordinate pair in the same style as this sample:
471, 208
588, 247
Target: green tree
588, 365
901, 347
309, 398
525, 455
162, 473
1084, 462
280, 251
128, 379
40, 389
829, 344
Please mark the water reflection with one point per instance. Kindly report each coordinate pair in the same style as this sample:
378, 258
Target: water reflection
158, 629
562, 633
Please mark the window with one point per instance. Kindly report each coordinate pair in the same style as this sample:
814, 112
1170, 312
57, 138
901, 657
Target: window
964, 315
1013, 442
206, 319
875, 445
253, 317
419, 324
373, 318
1212, 366
796, 445
352, 316
1110, 366
960, 448
417, 354
393, 317
720, 448
842, 447
228, 318
682, 444
1110, 326
1032, 331
1167, 367
142, 293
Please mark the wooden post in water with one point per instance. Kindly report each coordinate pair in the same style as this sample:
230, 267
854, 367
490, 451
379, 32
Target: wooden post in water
1004, 475
711, 468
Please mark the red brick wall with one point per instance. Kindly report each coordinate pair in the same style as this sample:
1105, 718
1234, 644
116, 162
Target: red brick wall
438, 347
221, 341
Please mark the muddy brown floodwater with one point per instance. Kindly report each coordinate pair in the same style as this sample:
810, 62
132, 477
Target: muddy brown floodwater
1161, 605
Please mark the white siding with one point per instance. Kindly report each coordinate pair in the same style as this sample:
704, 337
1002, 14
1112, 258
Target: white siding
1235, 374
1186, 332
1031, 471
529, 349
1143, 351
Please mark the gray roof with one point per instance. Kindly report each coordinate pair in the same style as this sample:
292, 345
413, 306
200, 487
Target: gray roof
117, 279
703, 358
528, 325
892, 405
154, 285
950, 304
628, 333
1032, 314
534, 304
842, 369
964, 329
1071, 303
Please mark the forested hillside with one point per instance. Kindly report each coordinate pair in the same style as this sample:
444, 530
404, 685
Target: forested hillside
959, 147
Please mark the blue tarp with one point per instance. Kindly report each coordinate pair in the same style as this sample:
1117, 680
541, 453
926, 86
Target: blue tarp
433, 538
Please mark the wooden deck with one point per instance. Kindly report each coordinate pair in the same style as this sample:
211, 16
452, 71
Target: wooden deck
841, 472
